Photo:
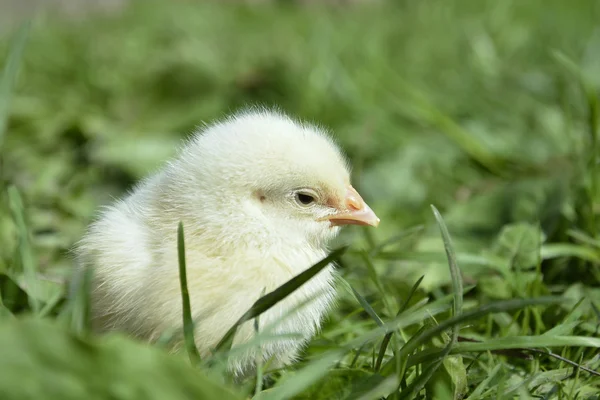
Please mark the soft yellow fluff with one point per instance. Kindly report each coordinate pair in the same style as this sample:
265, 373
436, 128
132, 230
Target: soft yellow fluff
234, 185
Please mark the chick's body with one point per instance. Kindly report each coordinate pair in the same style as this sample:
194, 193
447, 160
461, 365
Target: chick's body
260, 196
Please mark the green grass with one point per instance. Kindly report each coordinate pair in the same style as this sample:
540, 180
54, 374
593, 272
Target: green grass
486, 109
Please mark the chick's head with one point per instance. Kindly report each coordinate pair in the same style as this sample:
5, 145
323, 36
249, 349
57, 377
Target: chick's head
260, 177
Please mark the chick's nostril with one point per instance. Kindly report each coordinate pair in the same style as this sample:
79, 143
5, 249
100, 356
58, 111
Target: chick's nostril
354, 203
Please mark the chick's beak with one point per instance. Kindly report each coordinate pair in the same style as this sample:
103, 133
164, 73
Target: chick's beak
356, 211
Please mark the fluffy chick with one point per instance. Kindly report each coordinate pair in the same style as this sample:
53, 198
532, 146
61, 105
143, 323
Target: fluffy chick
260, 196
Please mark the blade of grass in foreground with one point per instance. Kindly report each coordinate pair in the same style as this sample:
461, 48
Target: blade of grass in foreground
9, 75
188, 323
270, 299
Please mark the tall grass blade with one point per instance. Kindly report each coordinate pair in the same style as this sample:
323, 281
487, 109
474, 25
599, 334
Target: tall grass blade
188, 323
457, 285
259, 356
270, 299
457, 289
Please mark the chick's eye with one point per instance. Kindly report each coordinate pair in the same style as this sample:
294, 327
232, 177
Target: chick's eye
305, 199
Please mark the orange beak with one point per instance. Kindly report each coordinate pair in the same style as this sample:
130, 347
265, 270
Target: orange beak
357, 212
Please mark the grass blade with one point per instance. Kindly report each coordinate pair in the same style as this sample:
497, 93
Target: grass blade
565, 360
418, 384
523, 342
510, 344
270, 299
188, 323
475, 394
259, 358
296, 382
416, 230
496, 307
365, 304
556, 250
457, 288
388, 336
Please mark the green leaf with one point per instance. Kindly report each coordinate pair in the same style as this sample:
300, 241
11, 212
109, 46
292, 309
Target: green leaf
495, 287
520, 243
453, 376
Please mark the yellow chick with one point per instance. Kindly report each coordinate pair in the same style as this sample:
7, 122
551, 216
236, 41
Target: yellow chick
260, 196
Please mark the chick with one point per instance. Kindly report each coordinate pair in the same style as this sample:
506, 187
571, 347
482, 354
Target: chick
260, 196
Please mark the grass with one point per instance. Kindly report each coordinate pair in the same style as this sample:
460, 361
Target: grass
487, 110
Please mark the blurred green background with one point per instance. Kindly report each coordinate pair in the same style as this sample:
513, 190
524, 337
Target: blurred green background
484, 108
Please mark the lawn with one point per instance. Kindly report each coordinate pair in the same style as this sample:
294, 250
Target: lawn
487, 110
